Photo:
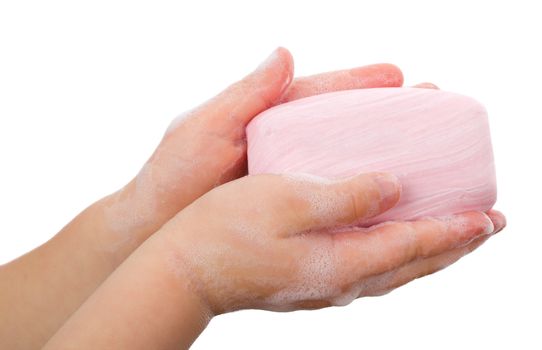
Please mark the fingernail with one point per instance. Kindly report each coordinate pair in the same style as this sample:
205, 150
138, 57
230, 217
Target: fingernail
426, 85
389, 188
268, 61
498, 219
489, 228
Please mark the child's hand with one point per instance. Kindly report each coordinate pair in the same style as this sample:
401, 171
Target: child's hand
266, 242
206, 147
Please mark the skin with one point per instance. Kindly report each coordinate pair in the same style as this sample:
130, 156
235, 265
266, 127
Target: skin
204, 148
269, 242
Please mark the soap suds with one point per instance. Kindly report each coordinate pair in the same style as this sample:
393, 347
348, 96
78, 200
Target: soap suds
315, 280
130, 208
314, 190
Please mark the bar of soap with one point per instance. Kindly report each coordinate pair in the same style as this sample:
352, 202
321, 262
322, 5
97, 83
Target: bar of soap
437, 143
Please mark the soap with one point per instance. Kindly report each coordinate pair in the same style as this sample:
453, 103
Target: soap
437, 143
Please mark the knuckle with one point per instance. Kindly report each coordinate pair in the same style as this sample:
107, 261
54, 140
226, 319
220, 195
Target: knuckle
413, 242
360, 205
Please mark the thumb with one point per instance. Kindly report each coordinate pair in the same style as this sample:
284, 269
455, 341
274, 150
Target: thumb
230, 110
301, 202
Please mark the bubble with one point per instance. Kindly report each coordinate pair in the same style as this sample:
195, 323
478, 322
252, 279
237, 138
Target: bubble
323, 201
314, 281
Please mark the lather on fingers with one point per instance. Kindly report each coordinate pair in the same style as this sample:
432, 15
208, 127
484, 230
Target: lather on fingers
386, 282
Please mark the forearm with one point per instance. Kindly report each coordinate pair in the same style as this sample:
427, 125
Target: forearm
146, 303
41, 289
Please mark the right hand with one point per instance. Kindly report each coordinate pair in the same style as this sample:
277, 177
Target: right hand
271, 242
206, 146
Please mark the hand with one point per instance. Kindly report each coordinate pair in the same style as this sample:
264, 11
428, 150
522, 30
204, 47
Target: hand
206, 147
271, 242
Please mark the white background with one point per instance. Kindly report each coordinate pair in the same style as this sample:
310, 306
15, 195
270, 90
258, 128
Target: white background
88, 88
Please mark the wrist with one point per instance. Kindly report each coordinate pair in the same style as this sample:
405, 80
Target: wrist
143, 205
181, 289
147, 293
122, 221
129, 210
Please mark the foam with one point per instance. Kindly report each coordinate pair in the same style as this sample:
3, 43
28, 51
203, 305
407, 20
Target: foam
315, 279
129, 208
323, 205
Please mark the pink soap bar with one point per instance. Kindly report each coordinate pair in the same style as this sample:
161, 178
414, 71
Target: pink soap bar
436, 142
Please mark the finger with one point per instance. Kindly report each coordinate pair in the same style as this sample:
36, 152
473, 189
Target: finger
426, 86
372, 76
498, 219
233, 108
417, 269
298, 203
421, 268
388, 246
